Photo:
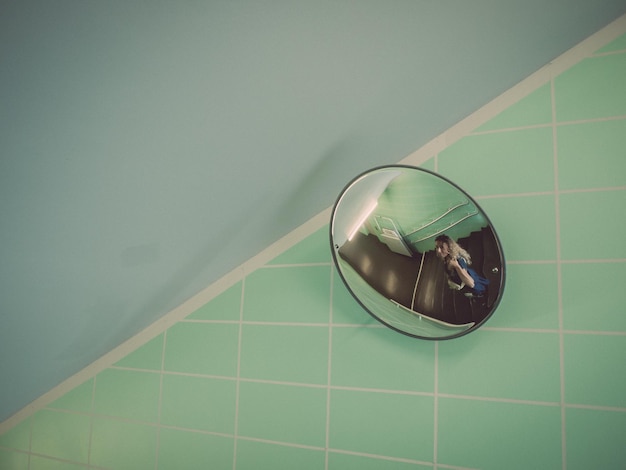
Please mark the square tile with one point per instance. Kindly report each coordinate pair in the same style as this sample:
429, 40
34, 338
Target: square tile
61, 434
148, 356
530, 298
593, 88
534, 109
285, 353
123, 445
591, 222
485, 164
591, 155
495, 435
346, 310
502, 364
199, 403
41, 463
226, 306
128, 394
595, 439
253, 455
283, 413
298, 294
593, 296
429, 164
197, 450
202, 348
526, 226
382, 359
595, 370
387, 424
313, 249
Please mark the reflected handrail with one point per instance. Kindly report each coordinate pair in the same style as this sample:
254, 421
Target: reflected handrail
428, 224
445, 229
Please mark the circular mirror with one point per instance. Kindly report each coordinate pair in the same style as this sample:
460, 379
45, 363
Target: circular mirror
417, 252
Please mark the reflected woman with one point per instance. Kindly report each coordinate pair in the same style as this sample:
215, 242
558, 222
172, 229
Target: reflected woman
460, 276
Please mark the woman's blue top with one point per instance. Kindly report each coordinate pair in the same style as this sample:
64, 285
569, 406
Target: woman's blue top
480, 283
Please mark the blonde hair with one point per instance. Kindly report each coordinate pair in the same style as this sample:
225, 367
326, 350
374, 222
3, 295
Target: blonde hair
456, 250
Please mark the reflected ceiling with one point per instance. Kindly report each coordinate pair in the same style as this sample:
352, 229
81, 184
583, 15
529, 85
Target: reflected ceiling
148, 148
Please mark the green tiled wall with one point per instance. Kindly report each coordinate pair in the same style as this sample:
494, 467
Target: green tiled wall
283, 370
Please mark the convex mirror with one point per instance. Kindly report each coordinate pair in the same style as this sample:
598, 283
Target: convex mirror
417, 252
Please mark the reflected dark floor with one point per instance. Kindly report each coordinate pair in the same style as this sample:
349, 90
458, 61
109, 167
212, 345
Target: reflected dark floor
419, 282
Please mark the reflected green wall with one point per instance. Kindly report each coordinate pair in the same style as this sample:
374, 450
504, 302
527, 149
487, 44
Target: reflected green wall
283, 370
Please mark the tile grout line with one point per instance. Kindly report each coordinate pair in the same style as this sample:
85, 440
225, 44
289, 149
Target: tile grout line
75, 464
554, 331
383, 457
549, 193
262, 323
595, 333
512, 401
387, 458
355, 389
160, 409
92, 415
238, 378
604, 54
292, 445
550, 125
570, 261
557, 223
329, 367
31, 426
613, 409
348, 325
592, 190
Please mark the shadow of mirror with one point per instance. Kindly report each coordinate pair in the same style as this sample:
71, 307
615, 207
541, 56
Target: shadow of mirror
417, 252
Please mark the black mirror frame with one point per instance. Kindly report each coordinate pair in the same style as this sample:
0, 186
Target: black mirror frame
334, 249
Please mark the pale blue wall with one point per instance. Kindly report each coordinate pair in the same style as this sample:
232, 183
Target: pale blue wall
283, 370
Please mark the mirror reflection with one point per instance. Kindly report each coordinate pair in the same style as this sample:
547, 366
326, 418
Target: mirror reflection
417, 252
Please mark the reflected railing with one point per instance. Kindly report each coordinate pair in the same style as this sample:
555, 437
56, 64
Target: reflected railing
436, 219
440, 230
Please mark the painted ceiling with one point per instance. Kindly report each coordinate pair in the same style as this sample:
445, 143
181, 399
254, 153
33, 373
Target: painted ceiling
147, 148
